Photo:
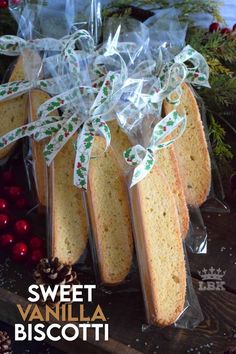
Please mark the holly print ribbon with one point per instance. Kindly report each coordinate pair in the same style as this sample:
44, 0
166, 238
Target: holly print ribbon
84, 148
104, 92
13, 45
143, 159
17, 88
38, 130
93, 125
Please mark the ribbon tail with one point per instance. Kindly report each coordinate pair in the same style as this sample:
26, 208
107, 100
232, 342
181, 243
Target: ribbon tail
14, 89
61, 138
11, 45
104, 130
83, 153
55, 103
143, 160
143, 169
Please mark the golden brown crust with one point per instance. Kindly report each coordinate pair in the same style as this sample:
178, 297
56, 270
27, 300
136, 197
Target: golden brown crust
69, 231
36, 98
166, 161
13, 112
191, 151
159, 248
108, 205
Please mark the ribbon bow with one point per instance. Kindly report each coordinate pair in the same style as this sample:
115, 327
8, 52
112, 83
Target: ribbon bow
106, 88
105, 91
143, 159
171, 77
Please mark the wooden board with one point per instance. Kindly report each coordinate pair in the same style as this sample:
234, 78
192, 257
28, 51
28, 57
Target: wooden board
125, 313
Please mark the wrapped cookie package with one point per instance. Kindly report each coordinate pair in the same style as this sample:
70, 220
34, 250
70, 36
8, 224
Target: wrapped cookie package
119, 153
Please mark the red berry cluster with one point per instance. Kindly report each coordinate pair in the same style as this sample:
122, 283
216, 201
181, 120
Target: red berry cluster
215, 26
4, 3
15, 234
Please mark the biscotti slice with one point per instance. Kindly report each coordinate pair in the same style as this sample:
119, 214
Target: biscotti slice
166, 161
13, 112
69, 231
36, 98
159, 248
110, 216
191, 150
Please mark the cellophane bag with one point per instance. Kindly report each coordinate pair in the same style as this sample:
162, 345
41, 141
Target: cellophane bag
169, 38
62, 201
156, 223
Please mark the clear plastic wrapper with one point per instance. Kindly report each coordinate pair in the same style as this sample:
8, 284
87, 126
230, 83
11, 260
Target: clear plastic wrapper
170, 36
125, 81
31, 18
138, 118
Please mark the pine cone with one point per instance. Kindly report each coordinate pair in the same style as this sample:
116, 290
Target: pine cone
5, 343
52, 272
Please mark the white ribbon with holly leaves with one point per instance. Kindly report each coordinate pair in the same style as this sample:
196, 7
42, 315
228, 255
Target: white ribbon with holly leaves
143, 159
105, 88
14, 46
171, 77
108, 89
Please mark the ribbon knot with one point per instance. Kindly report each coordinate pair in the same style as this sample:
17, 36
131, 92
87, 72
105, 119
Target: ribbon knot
143, 159
85, 108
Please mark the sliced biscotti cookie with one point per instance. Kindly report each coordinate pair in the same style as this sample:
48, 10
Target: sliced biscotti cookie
13, 112
166, 161
36, 98
110, 216
191, 150
159, 248
69, 231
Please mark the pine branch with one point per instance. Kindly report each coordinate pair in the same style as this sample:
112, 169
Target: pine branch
187, 7
217, 135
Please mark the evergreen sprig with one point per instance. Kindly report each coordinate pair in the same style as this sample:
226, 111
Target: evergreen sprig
186, 7
217, 134
220, 53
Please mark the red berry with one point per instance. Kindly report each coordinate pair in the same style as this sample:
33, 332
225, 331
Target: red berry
35, 256
3, 204
14, 192
16, 2
234, 27
215, 26
22, 227
7, 176
19, 251
22, 203
3, 4
36, 243
225, 30
4, 221
6, 240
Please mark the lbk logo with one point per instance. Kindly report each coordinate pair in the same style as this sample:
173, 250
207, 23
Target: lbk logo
212, 279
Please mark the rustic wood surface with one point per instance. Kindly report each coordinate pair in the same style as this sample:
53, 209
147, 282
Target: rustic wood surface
125, 311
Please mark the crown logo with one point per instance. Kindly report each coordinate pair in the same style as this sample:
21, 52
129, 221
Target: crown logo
212, 274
